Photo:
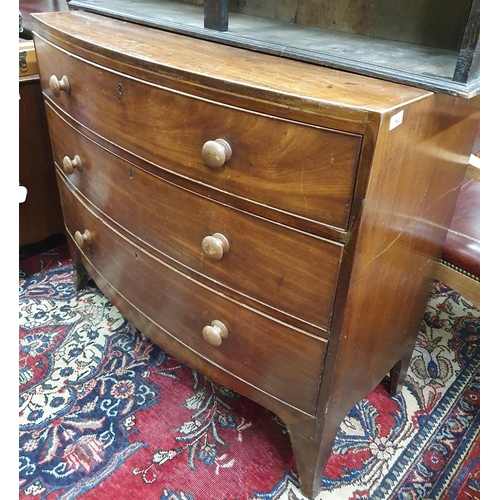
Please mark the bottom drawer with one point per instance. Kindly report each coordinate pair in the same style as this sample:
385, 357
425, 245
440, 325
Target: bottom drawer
277, 359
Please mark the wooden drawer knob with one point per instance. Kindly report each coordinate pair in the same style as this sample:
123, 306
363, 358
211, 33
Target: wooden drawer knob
69, 164
216, 153
215, 246
81, 239
215, 333
58, 86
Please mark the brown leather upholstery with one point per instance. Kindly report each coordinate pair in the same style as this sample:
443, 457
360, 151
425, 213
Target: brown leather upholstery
462, 247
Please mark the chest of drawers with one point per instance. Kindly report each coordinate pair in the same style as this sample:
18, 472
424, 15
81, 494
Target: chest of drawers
273, 224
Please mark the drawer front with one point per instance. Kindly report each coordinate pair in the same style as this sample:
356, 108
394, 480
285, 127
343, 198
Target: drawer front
279, 360
299, 169
286, 269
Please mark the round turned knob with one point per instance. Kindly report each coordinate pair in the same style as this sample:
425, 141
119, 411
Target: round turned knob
216, 153
215, 333
69, 164
58, 86
215, 246
81, 239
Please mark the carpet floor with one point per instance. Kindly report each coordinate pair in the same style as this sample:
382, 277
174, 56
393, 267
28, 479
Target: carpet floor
105, 414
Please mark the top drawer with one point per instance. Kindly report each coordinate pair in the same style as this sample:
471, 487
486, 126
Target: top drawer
292, 167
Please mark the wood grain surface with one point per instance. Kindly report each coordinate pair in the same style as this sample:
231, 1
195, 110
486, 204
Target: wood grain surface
260, 82
279, 360
285, 269
388, 197
298, 169
40, 216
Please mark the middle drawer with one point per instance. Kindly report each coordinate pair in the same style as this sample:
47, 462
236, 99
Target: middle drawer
261, 261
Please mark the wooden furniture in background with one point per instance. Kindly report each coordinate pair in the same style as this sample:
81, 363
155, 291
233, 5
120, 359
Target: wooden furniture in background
40, 215
28, 7
273, 224
423, 43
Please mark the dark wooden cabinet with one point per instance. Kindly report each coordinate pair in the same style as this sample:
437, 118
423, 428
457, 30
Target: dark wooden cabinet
278, 233
40, 215
28, 7
424, 43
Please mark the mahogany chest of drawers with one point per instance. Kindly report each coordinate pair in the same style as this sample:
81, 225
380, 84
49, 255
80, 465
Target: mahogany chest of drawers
273, 224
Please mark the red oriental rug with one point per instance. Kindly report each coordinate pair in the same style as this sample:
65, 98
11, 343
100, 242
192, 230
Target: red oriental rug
105, 414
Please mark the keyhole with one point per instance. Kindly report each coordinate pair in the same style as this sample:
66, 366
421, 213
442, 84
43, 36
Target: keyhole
130, 174
120, 89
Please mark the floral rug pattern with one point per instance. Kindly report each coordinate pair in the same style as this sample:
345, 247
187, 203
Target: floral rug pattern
105, 414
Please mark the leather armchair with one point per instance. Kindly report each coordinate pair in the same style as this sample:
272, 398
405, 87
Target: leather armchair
460, 262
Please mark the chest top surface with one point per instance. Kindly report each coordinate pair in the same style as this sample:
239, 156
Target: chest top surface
119, 45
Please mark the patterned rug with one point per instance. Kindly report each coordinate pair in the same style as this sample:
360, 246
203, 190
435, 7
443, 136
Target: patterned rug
105, 414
